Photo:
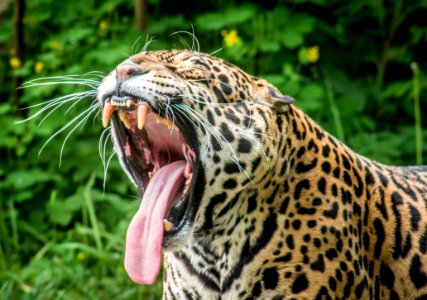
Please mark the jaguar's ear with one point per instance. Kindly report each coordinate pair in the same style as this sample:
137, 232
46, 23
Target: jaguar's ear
268, 94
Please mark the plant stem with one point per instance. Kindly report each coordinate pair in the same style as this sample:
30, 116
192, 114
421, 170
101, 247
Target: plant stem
334, 110
417, 113
91, 210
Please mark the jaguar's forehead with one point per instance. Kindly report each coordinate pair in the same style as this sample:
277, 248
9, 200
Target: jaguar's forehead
183, 58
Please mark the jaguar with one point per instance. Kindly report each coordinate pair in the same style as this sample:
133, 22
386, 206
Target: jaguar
243, 196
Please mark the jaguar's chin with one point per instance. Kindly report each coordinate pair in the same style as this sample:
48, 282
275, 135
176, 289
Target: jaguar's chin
159, 155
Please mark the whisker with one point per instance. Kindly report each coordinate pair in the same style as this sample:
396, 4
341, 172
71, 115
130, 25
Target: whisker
81, 122
91, 109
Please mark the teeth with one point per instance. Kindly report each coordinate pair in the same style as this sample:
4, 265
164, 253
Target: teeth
160, 119
129, 103
125, 119
142, 115
188, 180
187, 184
150, 174
106, 115
168, 225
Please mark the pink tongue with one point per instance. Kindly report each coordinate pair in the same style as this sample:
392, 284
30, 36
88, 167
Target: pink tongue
144, 236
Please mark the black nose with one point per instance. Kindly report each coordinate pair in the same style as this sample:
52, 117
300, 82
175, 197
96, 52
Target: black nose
127, 69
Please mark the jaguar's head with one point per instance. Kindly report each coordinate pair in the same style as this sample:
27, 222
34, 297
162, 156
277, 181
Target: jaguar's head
188, 130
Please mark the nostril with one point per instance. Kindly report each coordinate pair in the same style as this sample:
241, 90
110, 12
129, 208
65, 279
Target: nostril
127, 69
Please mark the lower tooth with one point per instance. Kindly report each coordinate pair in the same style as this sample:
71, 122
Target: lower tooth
168, 225
125, 120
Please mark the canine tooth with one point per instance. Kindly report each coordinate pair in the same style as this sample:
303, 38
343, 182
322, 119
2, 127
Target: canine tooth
106, 114
150, 174
142, 115
129, 103
168, 225
188, 180
125, 120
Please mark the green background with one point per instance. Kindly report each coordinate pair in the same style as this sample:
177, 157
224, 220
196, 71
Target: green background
61, 233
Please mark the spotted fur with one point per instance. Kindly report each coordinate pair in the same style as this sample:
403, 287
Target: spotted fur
284, 210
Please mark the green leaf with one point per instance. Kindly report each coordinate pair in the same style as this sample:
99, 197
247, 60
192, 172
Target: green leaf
220, 19
292, 39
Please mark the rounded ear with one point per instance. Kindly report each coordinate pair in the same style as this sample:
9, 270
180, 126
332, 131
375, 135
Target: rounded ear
268, 94
276, 98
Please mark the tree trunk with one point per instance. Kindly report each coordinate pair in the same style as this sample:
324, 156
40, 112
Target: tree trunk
141, 14
18, 46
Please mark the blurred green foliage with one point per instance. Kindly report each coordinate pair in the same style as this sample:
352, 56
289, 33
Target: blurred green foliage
348, 64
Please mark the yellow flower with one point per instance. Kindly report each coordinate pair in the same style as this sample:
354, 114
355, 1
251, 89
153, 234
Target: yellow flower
103, 25
38, 67
230, 38
15, 62
313, 54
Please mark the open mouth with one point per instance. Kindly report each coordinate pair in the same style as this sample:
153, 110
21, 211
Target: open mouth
156, 155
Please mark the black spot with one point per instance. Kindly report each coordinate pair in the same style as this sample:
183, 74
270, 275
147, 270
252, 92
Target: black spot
255, 163
317, 202
211, 119
231, 168
346, 162
311, 223
215, 144
306, 211
360, 288
229, 184
397, 200
415, 217
303, 168
332, 213
252, 203
227, 134
366, 241
296, 224
225, 86
303, 184
336, 172
326, 150
311, 144
319, 264
317, 242
300, 152
380, 234
321, 185
331, 253
332, 283
230, 115
323, 294
334, 190
300, 284
244, 146
270, 278
347, 179
284, 258
386, 276
326, 167
290, 242
418, 277
219, 96
284, 206
215, 200
256, 291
